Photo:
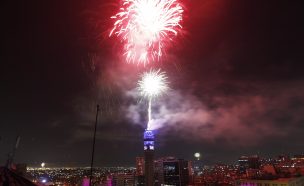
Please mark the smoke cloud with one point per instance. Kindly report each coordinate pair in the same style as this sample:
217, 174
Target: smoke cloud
240, 119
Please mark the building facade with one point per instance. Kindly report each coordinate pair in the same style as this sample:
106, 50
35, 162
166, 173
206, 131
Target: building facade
172, 171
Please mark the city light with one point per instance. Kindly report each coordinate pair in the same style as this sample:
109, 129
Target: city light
42, 164
224, 173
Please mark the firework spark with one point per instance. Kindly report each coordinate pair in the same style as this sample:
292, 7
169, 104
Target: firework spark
146, 27
152, 84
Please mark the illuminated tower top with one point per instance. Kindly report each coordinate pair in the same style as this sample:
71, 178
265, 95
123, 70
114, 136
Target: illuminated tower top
149, 157
148, 140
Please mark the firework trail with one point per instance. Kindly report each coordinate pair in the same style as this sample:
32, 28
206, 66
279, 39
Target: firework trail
152, 84
146, 27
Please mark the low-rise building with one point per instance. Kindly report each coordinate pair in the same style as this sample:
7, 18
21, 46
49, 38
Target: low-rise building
296, 181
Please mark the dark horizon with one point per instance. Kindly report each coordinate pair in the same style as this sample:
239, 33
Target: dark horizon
236, 79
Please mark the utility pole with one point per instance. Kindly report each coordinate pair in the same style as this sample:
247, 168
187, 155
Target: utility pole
93, 148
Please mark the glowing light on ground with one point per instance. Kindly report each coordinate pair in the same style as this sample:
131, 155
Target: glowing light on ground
152, 84
146, 27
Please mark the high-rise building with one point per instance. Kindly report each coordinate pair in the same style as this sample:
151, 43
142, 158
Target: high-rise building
140, 180
123, 179
172, 171
249, 162
140, 167
149, 157
140, 162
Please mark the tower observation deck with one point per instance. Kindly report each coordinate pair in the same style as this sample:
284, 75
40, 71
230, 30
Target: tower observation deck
149, 157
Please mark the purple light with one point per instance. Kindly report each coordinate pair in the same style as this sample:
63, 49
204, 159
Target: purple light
148, 134
148, 140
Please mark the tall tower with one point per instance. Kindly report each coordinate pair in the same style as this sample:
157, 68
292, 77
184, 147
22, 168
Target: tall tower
149, 157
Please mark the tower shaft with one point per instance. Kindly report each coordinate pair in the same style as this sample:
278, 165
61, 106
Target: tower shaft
149, 168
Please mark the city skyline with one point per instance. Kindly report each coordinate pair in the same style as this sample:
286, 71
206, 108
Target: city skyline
175, 171
235, 76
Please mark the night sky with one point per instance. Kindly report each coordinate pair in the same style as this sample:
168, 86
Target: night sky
235, 71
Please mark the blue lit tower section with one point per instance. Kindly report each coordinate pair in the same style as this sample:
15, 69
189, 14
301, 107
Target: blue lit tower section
149, 157
148, 140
